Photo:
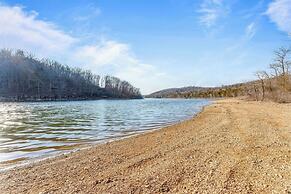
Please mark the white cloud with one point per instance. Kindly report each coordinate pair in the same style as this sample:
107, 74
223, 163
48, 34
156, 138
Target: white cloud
279, 12
19, 29
23, 30
105, 52
239, 44
211, 11
143, 75
91, 12
117, 59
250, 30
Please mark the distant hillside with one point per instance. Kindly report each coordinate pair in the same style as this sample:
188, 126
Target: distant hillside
272, 84
235, 90
171, 91
276, 88
26, 78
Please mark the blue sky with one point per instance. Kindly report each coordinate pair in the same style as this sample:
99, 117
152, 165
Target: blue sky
153, 44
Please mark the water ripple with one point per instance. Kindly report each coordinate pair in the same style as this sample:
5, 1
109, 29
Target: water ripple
30, 130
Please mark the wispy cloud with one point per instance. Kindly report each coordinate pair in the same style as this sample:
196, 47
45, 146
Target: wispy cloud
91, 12
105, 52
21, 29
118, 59
279, 12
211, 11
244, 39
254, 11
250, 30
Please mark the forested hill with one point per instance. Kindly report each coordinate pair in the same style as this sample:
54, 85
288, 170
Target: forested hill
26, 78
204, 92
272, 84
171, 92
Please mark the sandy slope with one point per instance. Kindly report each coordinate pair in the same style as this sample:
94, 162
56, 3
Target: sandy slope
231, 147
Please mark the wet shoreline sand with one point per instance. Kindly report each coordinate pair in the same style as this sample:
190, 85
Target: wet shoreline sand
232, 146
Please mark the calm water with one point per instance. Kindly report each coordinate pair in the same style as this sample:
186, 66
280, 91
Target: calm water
33, 130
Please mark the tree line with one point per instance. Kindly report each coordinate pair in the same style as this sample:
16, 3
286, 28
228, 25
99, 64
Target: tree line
272, 84
23, 77
275, 82
203, 92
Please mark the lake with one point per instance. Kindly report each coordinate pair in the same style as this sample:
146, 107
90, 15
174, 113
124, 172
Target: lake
32, 130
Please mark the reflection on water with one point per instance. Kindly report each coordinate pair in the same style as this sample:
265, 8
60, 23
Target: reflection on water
30, 130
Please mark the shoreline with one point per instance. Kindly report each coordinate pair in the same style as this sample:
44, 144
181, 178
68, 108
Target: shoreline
7, 165
67, 99
226, 147
86, 146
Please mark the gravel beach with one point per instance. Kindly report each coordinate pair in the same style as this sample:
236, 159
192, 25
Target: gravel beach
232, 146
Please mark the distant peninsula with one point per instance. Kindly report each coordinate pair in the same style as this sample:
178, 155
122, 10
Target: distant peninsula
234, 90
24, 77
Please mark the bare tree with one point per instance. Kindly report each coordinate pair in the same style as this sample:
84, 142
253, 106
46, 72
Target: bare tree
282, 59
269, 82
261, 75
256, 92
24, 77
275, 69
282, 65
